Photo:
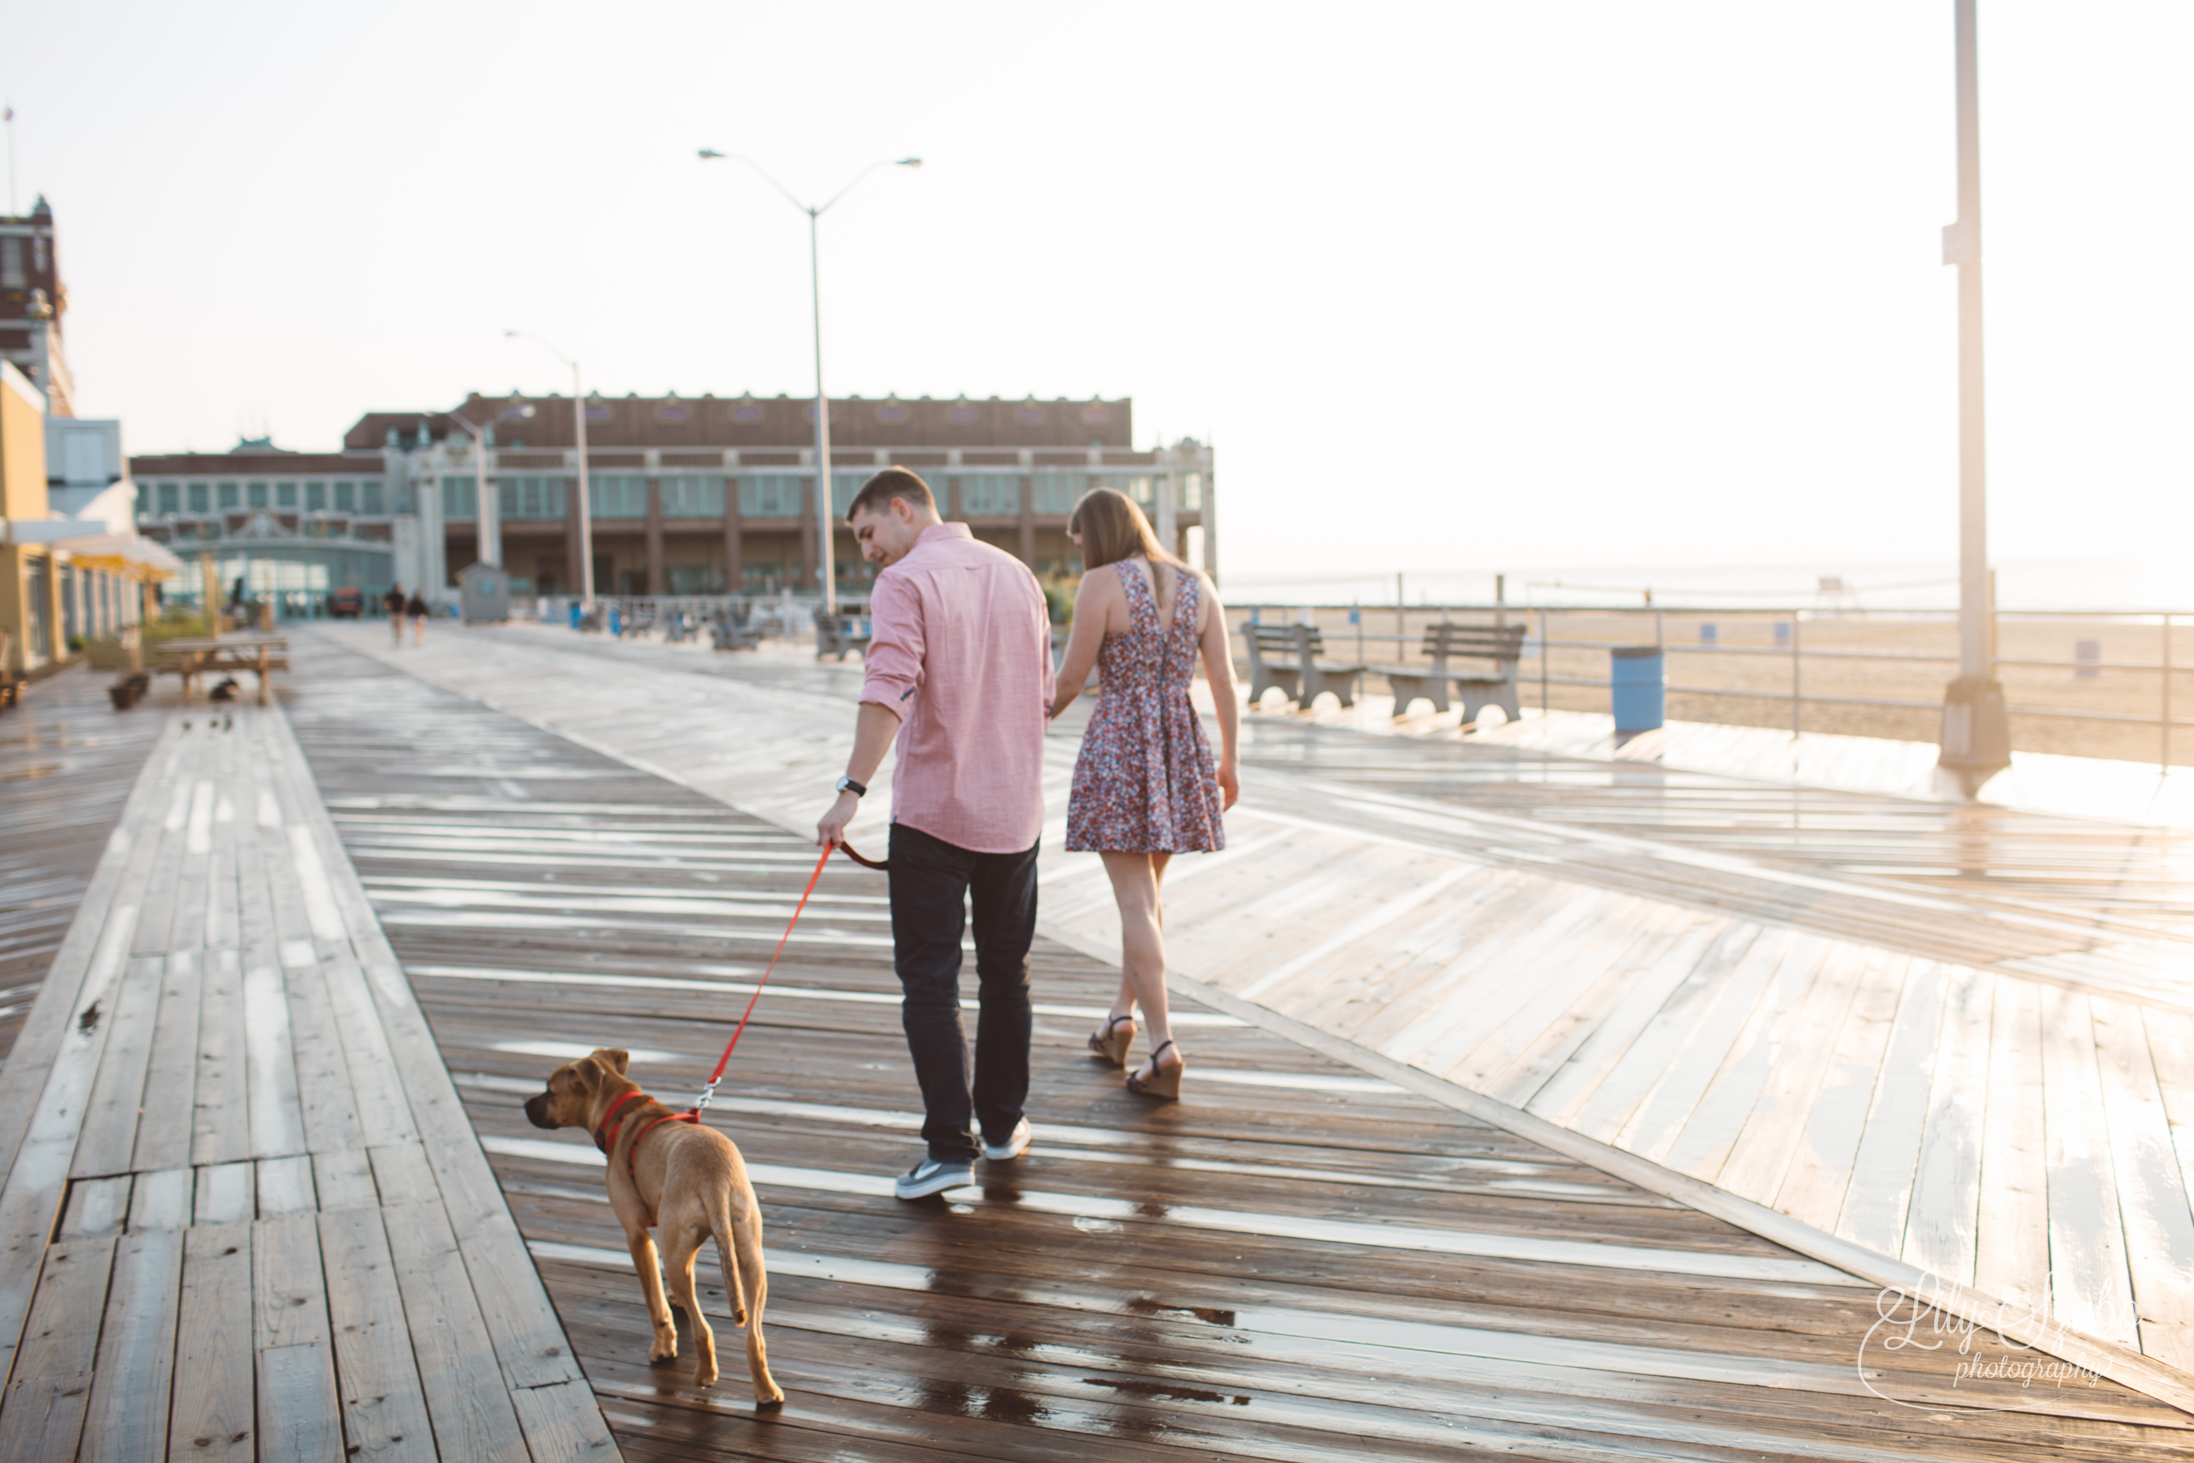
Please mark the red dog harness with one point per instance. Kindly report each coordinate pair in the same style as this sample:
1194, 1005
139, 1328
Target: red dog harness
605, 1136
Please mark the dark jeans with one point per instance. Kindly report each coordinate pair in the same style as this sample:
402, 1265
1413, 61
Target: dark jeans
930, 884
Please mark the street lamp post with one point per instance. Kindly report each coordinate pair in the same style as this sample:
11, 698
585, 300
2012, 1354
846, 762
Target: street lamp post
1976, 735
826, 567
487, 513
579, 425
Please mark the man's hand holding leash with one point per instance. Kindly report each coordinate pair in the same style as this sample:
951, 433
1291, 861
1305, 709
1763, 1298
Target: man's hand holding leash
872, 737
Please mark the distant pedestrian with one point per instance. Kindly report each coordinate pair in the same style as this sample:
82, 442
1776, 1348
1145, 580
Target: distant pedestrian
418, 611
393, 602
1145, 786
959, 670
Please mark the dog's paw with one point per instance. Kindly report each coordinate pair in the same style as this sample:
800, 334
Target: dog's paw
771, 1403
663, 1352
704, 1375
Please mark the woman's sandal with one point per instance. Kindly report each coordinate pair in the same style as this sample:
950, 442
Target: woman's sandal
1164, 1081
1112, 1043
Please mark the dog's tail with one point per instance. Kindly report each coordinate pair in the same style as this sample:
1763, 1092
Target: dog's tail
739, 1250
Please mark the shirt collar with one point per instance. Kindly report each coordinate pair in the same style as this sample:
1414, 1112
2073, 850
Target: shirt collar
944, 530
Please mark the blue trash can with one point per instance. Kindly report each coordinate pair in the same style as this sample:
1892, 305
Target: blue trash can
616, 623
1637, 688
575, 614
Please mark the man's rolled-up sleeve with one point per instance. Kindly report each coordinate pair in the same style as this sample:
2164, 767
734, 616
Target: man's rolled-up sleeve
892, 669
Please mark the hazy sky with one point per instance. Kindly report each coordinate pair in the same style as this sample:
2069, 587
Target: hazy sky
1461, 285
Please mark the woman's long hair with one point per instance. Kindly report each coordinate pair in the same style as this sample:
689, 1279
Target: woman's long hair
1112, 528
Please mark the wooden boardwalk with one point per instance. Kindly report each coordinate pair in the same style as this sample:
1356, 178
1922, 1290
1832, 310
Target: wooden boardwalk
1943, 1048
243, 1216
1298, 1262
67, 764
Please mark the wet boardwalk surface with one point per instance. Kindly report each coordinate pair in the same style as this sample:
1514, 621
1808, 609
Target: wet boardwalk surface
242, 1214
67, 763
1298, 1261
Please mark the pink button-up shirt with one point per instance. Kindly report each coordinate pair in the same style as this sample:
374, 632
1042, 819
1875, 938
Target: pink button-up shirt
962, 652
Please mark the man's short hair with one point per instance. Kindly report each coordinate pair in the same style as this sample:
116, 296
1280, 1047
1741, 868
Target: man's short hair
893, 482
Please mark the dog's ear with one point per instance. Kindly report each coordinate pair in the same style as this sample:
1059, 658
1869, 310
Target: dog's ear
585, 1076
614, 1058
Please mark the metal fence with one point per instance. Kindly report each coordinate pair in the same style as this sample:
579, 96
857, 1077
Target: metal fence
2090, 683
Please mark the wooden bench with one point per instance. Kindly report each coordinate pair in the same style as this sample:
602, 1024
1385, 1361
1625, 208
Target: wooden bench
735, 629
1501, 644
1287, 656
837, 634
191, 659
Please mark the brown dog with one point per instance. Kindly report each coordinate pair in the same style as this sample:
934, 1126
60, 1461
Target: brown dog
687, 1179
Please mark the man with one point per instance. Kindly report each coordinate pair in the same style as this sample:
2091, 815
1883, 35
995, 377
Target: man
959, 670
393, 602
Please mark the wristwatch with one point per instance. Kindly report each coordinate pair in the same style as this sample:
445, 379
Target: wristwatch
847, 784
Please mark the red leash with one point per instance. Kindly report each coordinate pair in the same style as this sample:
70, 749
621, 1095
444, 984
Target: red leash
708, 1089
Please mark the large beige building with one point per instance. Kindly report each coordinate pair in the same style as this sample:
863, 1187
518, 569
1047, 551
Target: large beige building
705, 495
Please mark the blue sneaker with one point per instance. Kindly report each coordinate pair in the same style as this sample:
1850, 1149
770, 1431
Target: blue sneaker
933, 1177
1015, 1145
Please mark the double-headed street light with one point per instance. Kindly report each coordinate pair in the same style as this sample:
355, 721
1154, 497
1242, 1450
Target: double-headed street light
815, 211
579, 420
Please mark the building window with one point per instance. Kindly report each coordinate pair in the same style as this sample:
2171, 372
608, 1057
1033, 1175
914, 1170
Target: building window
346, 497
670, 411
171, 501
1192, 492
1029, 416
369, 496
746, 414
774, 494
532, 497
693, 495
316, 497
256, 494
228, 495
617, 495
11, 263
285, 495
990, 495
843, 485
460, 498
1058, 492
198, 503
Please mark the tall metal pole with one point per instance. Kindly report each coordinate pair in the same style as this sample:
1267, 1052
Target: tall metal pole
487, 513
1976, 735
586, 508
1972, 442
825, 566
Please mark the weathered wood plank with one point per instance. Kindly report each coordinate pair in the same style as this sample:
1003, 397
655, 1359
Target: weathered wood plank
2011, 1248
285, 1186
50, 1385
109, 1134
97, 1208
161, 1200
293, 1353
2152, 1197
1879, 1195
343, 1178
1941, 1227
384, 1407
220, 1125
137, 1350
164, 1128
2093, 1285
214, 1414
277, 1116
227, 1194
474, 1416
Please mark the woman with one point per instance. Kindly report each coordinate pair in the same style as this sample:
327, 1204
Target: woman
1145, 787
417, 609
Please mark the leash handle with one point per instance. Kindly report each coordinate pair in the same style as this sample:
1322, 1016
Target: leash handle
708, 1088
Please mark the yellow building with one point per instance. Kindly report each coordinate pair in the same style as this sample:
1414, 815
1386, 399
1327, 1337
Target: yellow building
64, 582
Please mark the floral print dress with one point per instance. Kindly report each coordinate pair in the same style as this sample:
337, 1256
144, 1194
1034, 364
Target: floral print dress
1145, 781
